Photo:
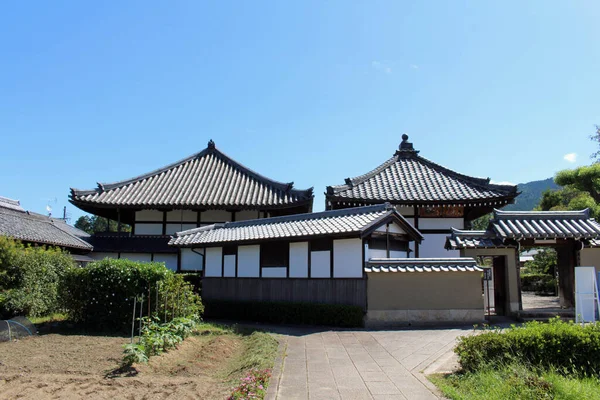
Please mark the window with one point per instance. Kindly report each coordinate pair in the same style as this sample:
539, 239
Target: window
275, 254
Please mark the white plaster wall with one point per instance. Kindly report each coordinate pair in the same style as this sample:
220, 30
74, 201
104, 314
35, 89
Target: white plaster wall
398, 254
149, 215
191, 261
229, 265
278, 272
143, 257
215, 216
441, 223
298, 260
320, 264
182, 216
411, 246
590, 258
174, 228
347, 258
394, 228
249, 261
433, 246
246, 215
170, 260
213, 261
148, 229
102, 256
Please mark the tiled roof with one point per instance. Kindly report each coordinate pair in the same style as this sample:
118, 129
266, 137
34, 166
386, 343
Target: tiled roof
461, 239
328, 223
594, 242
208, 179
422, 265
37, 228
123, 243
545, 224
5, 202
408, 178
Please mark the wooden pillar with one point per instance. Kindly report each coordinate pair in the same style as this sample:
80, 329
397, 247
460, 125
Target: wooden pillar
566, 260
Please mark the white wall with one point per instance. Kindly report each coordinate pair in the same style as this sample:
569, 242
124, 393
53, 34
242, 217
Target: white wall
320, 264
229, 265
148, 229
347, 258
394, 228
246, 215
249, 261
182, 216
215, 216
170, 260
213, 261
191, 261
590, 257
102, 256
277, 272
298, 260
441, 223
149, 215
143, 257
433, 246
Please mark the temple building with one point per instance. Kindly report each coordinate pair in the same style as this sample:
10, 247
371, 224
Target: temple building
434, 199
206, 188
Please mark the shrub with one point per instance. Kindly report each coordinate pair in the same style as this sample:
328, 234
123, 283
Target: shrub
564, 346
30, 278
539, 283
102, 295
287, 313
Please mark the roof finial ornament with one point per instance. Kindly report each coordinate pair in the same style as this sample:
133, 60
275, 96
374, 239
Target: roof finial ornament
211, 144
406, 147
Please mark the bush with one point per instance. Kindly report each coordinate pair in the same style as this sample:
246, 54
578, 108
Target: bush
564, 346
539, 283
102, 294
287, 313
30, 278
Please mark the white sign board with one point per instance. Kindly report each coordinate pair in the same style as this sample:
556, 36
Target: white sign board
586, 295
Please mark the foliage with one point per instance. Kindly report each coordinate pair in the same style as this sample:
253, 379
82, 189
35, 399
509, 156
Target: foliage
539, 283
287, 313
30, 278
581, 189
253, 386
481, 223
94, 224
157, 338
544, 262
596, 138
102, 294
259, 349
564, 346
516, 381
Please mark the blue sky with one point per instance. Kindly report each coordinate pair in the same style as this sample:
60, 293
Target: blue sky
310, 92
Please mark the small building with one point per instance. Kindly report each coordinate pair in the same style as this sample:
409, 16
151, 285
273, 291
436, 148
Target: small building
37, 229
356, 256
434, 199
206, 188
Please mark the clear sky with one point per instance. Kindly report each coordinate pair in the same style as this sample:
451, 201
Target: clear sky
310, 92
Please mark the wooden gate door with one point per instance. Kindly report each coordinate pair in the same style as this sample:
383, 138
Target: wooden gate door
499, 267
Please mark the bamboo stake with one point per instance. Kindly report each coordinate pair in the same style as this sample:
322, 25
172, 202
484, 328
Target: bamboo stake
133, 319
140, 324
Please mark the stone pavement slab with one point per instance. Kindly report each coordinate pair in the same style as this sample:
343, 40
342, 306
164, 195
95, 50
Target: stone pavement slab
362, 364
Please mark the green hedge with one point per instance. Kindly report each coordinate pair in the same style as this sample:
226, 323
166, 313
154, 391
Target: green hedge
30, 278
566, 346
539, 283
102, 294
287, 313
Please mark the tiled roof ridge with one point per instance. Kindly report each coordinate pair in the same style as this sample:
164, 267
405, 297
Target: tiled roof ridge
425, 261
11, 204
580, 214
472, 233
294, 217
211, 149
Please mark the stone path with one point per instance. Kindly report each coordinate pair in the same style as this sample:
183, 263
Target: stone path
363, 364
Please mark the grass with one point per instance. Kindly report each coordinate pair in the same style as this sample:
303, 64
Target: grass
56, 317
515, 381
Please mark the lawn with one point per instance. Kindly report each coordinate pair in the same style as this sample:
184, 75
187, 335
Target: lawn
66, 364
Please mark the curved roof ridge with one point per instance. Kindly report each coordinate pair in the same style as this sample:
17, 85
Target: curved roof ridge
361, 178
585, 213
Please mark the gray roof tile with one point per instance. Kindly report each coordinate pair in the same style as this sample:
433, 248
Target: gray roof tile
464, 264
346, 221
408, 178
209, 179
464, 239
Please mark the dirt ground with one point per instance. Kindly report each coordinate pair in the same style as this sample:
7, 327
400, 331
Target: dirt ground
56, 366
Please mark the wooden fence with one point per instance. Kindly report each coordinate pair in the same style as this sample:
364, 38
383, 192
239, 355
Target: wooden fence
300, 290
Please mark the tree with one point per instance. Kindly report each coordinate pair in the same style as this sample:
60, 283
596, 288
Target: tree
544, 262
581, 189
94, 224
596, 138
481, 223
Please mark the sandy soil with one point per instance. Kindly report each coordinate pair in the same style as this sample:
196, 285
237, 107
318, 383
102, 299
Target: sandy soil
73, 367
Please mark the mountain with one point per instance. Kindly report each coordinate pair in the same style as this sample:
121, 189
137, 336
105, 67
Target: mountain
531, 193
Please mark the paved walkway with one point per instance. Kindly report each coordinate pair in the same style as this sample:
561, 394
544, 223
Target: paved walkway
363, 364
